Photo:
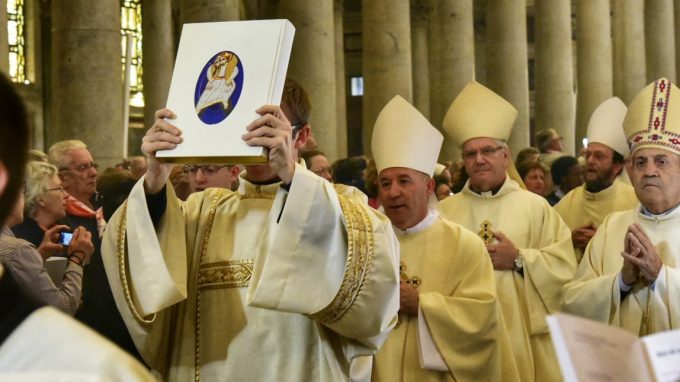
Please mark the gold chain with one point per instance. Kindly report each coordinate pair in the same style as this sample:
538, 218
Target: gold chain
123, 274
204, 249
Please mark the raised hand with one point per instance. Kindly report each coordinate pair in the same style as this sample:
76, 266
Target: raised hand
161, 136
273, 131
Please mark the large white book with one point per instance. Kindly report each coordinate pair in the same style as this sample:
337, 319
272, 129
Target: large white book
592, 351
223, 72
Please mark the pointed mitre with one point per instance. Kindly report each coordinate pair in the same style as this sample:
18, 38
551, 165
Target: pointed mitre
606, 125
402, 137
479, 112
439, 169
653, 118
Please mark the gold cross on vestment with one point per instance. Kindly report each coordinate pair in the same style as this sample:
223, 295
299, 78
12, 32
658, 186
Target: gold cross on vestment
486, 233
414, 281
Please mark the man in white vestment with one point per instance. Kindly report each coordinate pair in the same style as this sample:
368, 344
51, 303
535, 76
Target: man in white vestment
283, 280
529, 244
628, 276
450, 327
39, 343
585, 207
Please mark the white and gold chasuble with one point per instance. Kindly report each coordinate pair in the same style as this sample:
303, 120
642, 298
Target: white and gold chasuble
452, 271
544, 242
238, 288
580, 207
595, 293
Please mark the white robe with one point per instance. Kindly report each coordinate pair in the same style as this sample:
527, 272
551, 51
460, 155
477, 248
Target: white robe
51, 346
263, 291
581, 207
595, 292
459, 308
544, 242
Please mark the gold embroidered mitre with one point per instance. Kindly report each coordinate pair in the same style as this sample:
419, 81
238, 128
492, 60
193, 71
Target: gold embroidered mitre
653, 118
479, 112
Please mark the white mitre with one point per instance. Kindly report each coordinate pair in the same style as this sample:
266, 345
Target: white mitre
479, 112
402, 137
606, 125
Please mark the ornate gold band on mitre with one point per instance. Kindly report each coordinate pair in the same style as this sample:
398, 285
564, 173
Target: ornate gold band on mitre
653, 118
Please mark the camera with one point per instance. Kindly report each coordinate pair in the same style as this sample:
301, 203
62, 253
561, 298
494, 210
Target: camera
65, 238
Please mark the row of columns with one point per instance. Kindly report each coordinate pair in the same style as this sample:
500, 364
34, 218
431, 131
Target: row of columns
605, 35
422, 50
86, 91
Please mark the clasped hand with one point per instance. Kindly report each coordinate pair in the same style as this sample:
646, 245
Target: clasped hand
641, 261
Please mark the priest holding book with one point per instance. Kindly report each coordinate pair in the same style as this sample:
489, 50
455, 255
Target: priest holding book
284, 280
628, 276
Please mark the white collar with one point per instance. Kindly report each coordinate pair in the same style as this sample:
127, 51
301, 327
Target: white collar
428, 220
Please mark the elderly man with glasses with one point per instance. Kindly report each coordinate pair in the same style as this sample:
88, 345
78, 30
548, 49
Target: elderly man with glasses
78, 174
529, 244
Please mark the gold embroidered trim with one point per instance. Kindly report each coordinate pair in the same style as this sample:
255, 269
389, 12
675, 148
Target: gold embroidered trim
122, 270
258, 194
204, 249
225, 274
360, 252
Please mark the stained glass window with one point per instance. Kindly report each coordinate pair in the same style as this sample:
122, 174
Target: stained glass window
131, 25
16, 40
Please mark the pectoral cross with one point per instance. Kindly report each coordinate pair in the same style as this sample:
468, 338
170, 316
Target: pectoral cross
414, 281
486, 233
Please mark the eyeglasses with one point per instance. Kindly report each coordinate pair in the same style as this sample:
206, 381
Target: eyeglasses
207, 169
486, 152
82, 167
60, 189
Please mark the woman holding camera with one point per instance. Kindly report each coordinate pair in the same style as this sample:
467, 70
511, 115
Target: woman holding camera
26, 261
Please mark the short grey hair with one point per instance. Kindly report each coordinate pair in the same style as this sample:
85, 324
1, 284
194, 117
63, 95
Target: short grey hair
38, 175
58, 152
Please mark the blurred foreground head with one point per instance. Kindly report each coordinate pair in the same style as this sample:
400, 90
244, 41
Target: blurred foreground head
14, 138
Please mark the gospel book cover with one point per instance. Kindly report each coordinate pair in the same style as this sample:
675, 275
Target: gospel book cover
223, 72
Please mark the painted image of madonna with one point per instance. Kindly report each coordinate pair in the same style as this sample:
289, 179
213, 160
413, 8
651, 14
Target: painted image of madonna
218, 87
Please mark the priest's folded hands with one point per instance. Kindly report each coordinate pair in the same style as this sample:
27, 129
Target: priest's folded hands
641, 261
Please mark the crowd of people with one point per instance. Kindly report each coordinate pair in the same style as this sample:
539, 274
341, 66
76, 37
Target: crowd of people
388, 268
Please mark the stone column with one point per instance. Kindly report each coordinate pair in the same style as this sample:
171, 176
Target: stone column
452, 60
506, 60
4, 45
86, 98
594, 61
158, 54
629, 48
340, 79
386, 33
554, 70
197, 11
312, 64
660, 39
421, 70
